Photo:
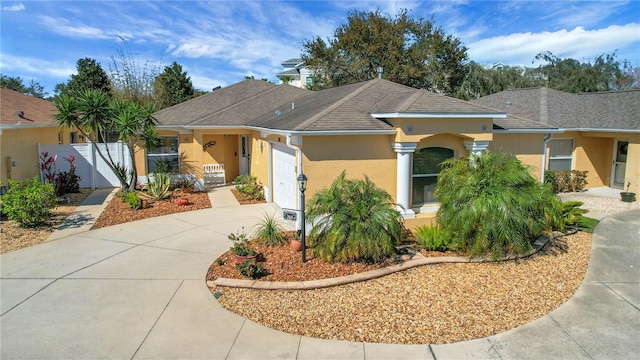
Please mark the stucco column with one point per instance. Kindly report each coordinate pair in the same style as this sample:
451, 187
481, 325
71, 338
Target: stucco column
403, 177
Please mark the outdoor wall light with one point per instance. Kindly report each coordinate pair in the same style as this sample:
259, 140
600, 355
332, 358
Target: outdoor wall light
302, 186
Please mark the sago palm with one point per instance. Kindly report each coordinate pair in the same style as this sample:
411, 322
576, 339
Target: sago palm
354, 220
492, 205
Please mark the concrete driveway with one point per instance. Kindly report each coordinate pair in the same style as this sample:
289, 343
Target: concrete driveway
137, 291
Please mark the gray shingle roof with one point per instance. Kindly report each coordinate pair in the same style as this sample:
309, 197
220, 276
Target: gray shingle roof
604, 110
350, 107
223, 102
346, 108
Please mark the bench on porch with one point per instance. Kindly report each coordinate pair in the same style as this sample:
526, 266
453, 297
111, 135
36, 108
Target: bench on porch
213, 174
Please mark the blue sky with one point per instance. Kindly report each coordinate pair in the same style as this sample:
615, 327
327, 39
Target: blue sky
220, 42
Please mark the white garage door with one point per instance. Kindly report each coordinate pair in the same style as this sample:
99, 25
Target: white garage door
284, 176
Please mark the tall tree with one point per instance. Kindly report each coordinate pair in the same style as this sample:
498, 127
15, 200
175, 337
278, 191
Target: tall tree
95, 115
480, 81
90, 76
412, 52
605, 73
16, 83
132, 79
173, 86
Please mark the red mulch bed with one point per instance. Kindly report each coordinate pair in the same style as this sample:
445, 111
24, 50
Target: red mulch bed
119, 212
244, 201
284, 264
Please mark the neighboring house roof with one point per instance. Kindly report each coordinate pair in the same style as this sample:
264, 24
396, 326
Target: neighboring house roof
20, 109
292, 62
290, 72
598, 110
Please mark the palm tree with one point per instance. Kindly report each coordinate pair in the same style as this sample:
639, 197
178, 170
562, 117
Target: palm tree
492, 204
354, 220
95, 115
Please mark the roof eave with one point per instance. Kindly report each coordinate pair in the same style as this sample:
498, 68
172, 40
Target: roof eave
398, 115
323, 132
631, 131
527, 131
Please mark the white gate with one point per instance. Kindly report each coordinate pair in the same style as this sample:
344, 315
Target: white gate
93, 171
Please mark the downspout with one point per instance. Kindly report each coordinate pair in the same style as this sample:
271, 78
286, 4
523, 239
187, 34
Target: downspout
544, 154
299, 171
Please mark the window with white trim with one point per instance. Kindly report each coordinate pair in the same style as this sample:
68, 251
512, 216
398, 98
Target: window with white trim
560, 154
165, 157
426, 169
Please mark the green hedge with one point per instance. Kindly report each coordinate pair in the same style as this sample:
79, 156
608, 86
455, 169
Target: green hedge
566, 181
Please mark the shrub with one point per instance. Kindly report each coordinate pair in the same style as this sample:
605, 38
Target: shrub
572, 214
242, 180
240, 245
248, 188
270, 231
132, 199
492, 205
432, 238
354, 220
566, 181
252, 269
29, 202
158, 186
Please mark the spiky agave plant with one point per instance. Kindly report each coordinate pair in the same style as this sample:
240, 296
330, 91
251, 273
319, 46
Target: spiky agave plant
354, 220
492, 205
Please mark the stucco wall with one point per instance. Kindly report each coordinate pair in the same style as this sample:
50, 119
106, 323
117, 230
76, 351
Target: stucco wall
526, 147
260, 158
413, 130
325, 157
21, 146
593, 154
456, 143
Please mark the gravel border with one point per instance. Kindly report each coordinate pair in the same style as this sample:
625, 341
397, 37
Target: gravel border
433, 304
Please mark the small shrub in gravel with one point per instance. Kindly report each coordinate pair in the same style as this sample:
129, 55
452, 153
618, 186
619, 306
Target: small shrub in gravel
29, 202
433, 238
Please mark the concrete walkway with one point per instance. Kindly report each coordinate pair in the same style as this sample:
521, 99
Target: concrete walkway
137, 291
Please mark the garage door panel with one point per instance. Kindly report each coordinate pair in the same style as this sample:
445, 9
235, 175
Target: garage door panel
284, 176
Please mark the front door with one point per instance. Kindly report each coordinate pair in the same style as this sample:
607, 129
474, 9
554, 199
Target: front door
619, 164
245, 155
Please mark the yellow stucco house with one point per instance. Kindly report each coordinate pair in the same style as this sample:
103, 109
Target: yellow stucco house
395, 135
25, 122
598, 132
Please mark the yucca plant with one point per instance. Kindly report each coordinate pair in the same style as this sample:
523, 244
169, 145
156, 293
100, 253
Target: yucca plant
158, 186
354, 220
492, 205
270, 231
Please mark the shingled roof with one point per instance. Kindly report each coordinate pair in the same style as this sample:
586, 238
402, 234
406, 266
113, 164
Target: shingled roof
350, 107
262, 105
600, 110
17, 108
229, 106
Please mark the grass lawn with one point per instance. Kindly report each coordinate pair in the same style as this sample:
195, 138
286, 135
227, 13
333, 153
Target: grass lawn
587, 224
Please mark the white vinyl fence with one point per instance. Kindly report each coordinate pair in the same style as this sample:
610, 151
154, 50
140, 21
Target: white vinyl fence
93, 171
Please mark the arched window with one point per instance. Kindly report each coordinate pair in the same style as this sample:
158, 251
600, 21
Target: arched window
426, 168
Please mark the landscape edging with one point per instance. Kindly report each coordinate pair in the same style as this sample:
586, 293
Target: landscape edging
541, 242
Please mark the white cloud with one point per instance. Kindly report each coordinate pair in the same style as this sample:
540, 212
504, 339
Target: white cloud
580, 44
16, 7
63, 27
36, 67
